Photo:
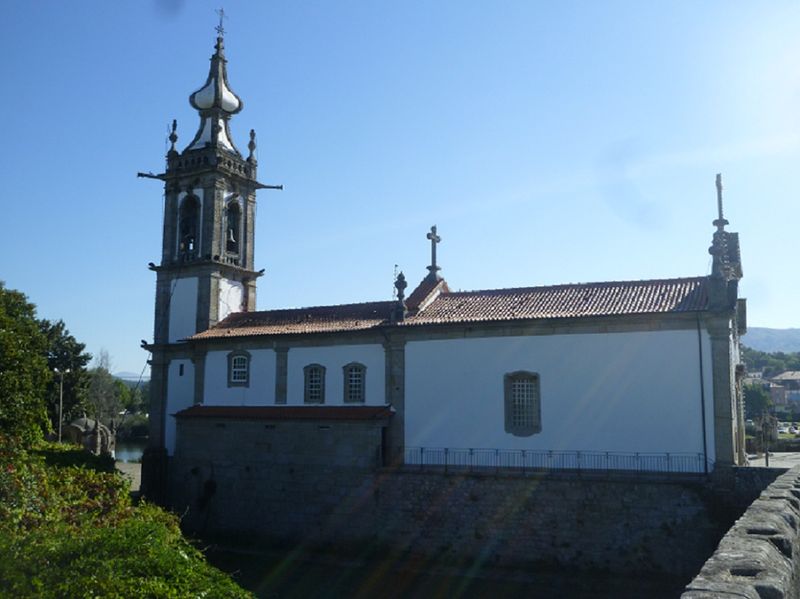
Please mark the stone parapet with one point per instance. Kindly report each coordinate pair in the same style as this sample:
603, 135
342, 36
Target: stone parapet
759, 557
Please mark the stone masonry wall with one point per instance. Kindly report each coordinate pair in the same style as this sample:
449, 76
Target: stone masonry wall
327, 491
759, 558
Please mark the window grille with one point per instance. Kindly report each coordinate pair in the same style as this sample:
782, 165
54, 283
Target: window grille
314, 383
522, 403
354, 383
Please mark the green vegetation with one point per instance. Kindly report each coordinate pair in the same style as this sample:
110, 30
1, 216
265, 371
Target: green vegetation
67, 524
68, 529
756, 401
23, 368
771, 364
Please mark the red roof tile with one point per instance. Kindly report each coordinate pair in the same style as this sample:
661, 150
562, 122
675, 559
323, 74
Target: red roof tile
319, 319
288, 412
427, 287
578, 300
567, 301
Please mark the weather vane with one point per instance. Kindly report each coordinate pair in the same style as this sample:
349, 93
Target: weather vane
220, 29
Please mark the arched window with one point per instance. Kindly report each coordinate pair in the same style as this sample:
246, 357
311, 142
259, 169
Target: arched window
314, 384
188, 227
233, 219
354, 382
523, 409
238, 369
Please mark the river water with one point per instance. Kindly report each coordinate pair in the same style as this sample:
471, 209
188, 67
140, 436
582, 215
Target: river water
297, 573
130, 450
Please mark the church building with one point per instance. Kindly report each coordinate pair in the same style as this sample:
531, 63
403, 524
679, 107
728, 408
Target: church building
639, 376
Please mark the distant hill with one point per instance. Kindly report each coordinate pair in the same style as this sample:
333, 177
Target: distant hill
130, 376
772, 340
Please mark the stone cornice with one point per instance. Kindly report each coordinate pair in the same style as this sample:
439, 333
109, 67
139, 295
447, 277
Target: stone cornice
399, 335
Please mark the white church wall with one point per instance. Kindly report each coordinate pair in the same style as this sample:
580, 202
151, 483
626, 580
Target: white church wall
183, 309
621, 392
260, 390
334, 358
180, 395
231, 295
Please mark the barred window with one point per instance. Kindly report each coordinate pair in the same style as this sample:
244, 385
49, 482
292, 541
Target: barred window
523, 412
314, 386
238, 369
354, 381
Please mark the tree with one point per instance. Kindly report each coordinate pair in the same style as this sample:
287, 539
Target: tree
107, 394
24, 375
68, 357
756, 401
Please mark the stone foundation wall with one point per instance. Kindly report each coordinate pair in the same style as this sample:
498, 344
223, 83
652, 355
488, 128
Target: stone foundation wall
299, 483
759, 558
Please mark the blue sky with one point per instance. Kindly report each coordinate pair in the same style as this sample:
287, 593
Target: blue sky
551, 142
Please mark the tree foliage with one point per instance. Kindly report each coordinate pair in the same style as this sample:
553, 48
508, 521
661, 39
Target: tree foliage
68, 530
757, 401
24, 374
107, 394
771, 364
65, 357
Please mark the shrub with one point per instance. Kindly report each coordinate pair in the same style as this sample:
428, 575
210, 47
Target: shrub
68, 529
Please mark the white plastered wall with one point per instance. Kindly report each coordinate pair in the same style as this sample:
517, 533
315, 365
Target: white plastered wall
625, 392
183, 309
180, 395
231, 296
334, 358
260, 390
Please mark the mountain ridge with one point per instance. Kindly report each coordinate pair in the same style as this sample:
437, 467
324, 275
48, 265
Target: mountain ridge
772, 340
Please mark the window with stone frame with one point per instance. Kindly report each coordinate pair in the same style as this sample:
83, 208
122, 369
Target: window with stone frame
355, 375
522, 399
314, 384
238, 369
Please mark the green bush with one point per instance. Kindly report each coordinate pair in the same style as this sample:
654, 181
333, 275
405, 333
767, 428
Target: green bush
69, 530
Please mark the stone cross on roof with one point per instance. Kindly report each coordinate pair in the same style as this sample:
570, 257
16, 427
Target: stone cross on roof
434, 240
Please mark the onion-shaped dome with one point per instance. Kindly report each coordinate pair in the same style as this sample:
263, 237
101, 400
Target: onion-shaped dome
216, 103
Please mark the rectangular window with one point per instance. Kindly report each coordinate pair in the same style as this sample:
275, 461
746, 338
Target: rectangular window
314, 375
522, 403
238, 369
354, 382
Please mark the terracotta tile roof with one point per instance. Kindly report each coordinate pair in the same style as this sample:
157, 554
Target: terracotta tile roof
426, 287
288, 412
578, 300
789, 375
319, 319
567, 301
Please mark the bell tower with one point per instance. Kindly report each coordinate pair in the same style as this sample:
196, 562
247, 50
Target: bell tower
206, 270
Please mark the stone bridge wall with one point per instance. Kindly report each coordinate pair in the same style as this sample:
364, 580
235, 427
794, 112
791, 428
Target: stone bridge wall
759, 558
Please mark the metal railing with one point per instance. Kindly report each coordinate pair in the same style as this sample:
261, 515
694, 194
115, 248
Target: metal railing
526, 460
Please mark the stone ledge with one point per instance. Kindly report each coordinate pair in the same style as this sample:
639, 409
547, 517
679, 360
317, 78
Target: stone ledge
759, 557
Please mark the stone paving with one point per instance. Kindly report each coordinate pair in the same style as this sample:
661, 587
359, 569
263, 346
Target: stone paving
777, 460
133, 472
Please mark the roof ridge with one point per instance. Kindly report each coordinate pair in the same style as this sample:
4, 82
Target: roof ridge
322, 307
596, 284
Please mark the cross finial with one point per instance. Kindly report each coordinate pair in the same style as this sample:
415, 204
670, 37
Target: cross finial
219, 28
434, 240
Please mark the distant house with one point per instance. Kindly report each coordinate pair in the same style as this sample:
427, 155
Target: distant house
789, 379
